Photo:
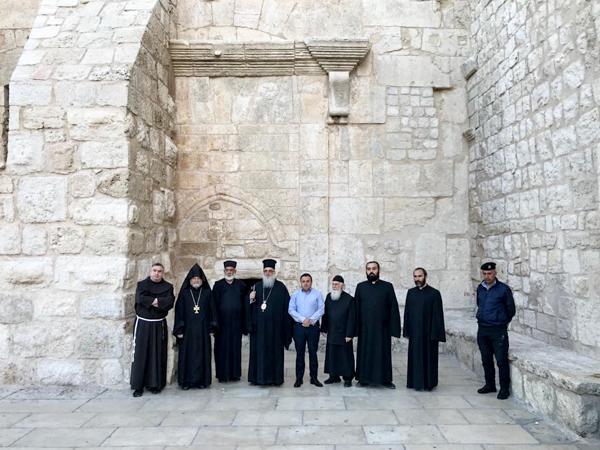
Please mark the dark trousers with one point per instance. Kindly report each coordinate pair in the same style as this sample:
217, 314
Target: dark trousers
493, 342
302, 336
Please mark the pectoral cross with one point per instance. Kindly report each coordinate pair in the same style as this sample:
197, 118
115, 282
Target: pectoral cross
196, 309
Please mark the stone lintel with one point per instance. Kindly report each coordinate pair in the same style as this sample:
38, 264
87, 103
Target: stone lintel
337, 58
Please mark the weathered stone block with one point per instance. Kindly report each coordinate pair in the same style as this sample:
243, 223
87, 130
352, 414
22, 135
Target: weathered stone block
401, 212
26, 271
99, 211
34, 240
100, 339
42, 199
84, 273
356, 216
60, 372
105, 155
10, 239
15, 309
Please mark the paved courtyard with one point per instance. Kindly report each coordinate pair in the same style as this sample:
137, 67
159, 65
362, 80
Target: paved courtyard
239, 416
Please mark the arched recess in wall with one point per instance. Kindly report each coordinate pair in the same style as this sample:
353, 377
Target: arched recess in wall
223, 226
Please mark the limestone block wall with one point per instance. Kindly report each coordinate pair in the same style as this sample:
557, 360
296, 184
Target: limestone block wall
261, 172
75, 193
534, 108
15, 23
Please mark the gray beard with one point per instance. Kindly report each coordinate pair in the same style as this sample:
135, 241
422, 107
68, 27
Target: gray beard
268, 282
229, 278
335, 295
197, 286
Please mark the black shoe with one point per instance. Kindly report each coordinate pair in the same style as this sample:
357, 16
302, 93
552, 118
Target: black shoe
332, 380
235, 379
155, 390
361, 384
486, 389
389, 385
138, 392
316, 382
348, 383
298, 383
185, 387
503, 394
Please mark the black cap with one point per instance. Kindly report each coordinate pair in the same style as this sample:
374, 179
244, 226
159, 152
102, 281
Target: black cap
488, 266
338, 278
230, 263
269, 263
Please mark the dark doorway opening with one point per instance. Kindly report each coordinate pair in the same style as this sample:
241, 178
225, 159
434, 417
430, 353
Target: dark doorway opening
249, 282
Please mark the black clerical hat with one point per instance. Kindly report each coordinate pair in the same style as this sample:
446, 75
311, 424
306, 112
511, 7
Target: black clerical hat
488, 266
230, 263
269, 263
338, 278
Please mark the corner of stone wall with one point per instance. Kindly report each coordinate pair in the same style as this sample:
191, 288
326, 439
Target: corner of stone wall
74, 190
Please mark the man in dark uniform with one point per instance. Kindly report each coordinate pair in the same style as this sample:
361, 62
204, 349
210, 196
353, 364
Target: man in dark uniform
339, 323
154, 297
495, 310
230, 296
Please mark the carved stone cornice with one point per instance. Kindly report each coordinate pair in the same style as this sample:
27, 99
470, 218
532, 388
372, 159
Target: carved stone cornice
337, 58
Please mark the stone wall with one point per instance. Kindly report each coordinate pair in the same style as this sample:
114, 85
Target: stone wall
15, 23
262, 172
534, 108
74, 193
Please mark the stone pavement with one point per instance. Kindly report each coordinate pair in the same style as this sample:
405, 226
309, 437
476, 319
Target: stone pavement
242, 417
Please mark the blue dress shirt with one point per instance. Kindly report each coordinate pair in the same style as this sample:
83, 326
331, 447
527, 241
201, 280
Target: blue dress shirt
306, 305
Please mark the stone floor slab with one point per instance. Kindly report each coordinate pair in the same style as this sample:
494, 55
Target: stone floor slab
7, 420
268, 418
309, 403
126, 419
198, 418
10, 435
417, 434
65, 437
430, 417
356, 418
381, 402
111, 405
40, 406
151, 436
54, 420
486, 434
430, 400
307, 435
483, 416
233, 404
236, 436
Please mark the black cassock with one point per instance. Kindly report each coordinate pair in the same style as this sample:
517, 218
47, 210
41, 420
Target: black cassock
270, 332
339, 322
150, 334
230, 302
424, 327
378, 318
194, 363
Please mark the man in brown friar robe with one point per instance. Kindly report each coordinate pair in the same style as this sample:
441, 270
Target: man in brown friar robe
424, 328
154, 298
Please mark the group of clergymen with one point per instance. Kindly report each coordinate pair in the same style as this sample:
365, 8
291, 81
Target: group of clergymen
272, 319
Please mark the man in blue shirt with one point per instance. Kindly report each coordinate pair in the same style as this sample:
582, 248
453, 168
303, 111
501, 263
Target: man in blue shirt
306, 308
495, 310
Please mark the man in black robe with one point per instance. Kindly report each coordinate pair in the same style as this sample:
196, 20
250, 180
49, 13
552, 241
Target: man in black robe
378, 318
339, 323
270, 328
424, 328
195, 319
230, 296
154, 298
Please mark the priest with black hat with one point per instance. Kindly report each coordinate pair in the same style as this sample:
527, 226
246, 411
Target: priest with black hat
270, 328
154, 298
195, 319
495, 310
339, 322
230, 295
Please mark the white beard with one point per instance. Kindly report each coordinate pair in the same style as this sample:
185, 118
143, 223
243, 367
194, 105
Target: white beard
197, 286
229, 277
268, 282
335, 295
